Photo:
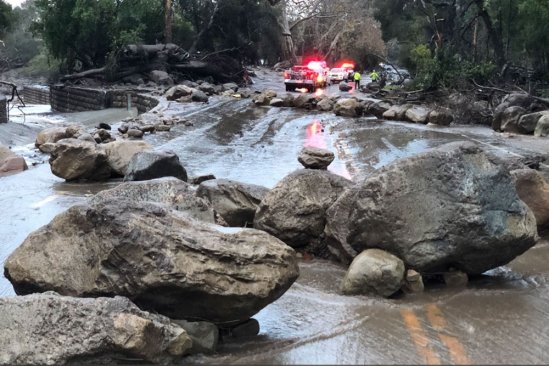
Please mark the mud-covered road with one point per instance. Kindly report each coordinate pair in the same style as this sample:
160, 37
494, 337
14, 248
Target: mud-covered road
499, 318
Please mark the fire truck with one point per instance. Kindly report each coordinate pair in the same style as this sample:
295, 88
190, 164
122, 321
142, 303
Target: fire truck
311, 76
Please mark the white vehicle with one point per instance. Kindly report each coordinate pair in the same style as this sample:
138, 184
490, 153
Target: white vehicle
338, 74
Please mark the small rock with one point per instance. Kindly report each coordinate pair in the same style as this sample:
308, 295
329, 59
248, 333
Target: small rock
374, 271
163, 128
147, 128
136, 134
124, 127
147, 165
199, 96
413, 282
315, 158
105, 126
276, 102
343, 86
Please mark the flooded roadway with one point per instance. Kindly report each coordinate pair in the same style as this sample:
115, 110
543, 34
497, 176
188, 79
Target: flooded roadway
499, 318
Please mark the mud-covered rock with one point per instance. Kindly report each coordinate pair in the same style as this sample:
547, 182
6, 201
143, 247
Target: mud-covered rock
510, 118
533, 189
325, 105
119, 154
11, 163
199, 96
48, 329
374, 272
146, 165
264, 98
343, 86
440, 117
348, 107
304, 100
236, 202
337, 226
205, 335
448, 207
295, 209
527, 123
276, 102
52, 135
378, 108
73, 159
396, 112
134, 133
169, 191
542, 127
315, 158
161, 77
159, 258
417, 114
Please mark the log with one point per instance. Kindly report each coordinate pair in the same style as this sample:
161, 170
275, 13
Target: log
83, 74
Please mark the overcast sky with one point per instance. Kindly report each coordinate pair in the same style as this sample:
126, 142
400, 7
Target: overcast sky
14, 3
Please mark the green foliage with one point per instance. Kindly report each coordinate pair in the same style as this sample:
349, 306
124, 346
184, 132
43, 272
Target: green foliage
42, 65
6, 18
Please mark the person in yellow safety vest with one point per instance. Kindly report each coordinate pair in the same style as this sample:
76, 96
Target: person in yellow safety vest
356, 76
374, 76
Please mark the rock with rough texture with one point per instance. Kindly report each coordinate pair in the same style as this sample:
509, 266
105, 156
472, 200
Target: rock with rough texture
374, 272
207, 88
73, 159
542, 127
417, 114
510, 118
160, 259
413, 282
276, 102
295, 209
48, 329
315, 158
199, 96
52, 135
169, 191
236, 202
134, 133
396, 112
337, 226
325, 105
230, 87
161, 77
348, 107
378, 108
119, 154
201, 178
448, 207
305, 101
264, 98
440, 117
11, 165
527, 123
205, 336
343, 86
178, 91
155, 164
533, 189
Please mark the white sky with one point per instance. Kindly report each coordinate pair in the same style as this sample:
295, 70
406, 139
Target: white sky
14, 3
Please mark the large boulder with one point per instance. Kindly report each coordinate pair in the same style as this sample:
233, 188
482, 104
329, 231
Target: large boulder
533, 189
315, 158
235, 202
264, 98
510, 118
417, 114
396, 112
169, 191
295, 209
304, 100
147, 165
375, 272
159, 258
119, 154
441, 117
448, 207
48, 329
73, 159
337, 226
325, 105
542, 127
11, 163
348, 107
52, 135
178, 91
379, 108
527, 123
161, 77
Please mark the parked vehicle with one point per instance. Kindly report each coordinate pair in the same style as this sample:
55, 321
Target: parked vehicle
338, 74
311, 76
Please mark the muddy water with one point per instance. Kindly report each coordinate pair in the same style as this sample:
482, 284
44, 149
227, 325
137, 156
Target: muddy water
499, 318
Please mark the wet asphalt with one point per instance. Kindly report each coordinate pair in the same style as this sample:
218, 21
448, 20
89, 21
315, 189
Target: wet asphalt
500, 317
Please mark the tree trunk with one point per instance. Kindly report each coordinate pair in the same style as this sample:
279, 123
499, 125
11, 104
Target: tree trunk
168, 17
495, 39
288, 49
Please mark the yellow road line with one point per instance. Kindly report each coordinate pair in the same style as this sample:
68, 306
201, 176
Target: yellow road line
419, 337
455, 348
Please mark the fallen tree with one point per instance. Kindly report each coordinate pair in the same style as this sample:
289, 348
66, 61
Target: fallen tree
141, 59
